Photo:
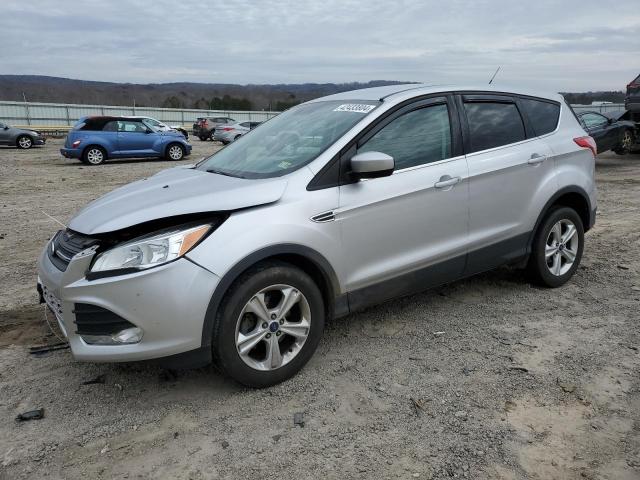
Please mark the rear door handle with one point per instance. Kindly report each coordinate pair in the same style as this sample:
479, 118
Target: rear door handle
447, 181
536, 159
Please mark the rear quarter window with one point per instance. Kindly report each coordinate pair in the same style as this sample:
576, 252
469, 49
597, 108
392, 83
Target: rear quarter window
493, 124
542, 115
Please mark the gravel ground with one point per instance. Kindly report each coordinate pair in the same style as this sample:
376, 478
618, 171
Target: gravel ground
485, 378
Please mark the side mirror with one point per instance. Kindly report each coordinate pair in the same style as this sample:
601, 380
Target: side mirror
372, 165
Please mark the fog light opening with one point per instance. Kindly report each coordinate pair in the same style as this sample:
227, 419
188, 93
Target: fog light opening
127, 336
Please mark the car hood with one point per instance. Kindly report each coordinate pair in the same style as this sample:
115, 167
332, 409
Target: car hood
176, 191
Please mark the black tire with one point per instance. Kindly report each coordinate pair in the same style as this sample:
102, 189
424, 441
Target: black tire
174, 152
261, 276
626, 143
94, 155
538, 267
211, 135
236, 137
24, 142
202, 138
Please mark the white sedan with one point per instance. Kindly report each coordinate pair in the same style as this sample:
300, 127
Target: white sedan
229, 133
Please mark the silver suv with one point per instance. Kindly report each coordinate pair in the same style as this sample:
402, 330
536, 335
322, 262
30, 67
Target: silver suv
336, 204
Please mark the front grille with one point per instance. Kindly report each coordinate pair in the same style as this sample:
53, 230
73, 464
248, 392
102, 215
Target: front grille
65, 245
94, 320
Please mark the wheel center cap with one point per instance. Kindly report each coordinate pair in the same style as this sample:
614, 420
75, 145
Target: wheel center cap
561, 247
274, 327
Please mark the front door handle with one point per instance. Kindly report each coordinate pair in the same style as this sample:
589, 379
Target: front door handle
536, 159
447, 181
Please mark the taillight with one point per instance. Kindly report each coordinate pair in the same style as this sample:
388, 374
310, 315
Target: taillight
227, 129
76, 143
587, 142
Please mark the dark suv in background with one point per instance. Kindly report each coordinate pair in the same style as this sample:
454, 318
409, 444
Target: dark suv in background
205, 126
632, 100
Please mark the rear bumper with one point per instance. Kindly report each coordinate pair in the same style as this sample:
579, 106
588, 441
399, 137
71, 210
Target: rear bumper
70, 152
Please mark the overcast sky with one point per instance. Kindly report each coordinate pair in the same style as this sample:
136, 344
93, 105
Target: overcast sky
561, 45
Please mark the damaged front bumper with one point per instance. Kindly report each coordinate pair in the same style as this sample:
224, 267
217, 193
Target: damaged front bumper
154, 313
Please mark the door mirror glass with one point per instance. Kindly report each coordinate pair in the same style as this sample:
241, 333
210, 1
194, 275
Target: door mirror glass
372, 165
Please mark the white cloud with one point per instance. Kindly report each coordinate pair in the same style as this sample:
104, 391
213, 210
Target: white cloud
570, 45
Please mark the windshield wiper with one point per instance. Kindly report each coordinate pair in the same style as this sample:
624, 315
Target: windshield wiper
220, 172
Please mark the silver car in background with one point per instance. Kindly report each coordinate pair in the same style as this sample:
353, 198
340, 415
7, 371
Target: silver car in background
230, 133
334, 205
19, 137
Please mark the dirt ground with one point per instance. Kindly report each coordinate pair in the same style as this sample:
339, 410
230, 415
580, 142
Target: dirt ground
523, 383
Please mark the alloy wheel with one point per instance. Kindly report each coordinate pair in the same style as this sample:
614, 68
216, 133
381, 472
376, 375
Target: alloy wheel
273, 327
25, 142
175, 152
95, 156
561, 247
626, 141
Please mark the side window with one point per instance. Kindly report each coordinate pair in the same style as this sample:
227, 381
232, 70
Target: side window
493, 124
131, 126
111, 126
593, 120
542, 115
415, 138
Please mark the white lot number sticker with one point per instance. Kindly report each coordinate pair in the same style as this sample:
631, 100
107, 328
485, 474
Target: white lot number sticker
354, 107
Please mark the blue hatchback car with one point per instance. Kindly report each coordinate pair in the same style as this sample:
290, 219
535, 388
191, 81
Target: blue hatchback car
96, 139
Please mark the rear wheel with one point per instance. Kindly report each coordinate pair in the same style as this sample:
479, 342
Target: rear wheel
626, 143
557, 248
175, 151
24, 142
94, 155
268, 325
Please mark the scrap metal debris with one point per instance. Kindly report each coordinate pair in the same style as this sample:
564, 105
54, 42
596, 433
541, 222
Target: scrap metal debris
31, 415
42, 349
98, 379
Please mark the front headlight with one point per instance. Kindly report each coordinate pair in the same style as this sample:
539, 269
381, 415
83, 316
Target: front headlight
150, 251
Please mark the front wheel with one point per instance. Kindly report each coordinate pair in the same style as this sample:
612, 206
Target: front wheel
626, 143
24, 142
175, 152
268, 325
557, 248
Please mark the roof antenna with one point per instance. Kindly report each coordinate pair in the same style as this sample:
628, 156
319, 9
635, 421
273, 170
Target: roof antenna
494, 75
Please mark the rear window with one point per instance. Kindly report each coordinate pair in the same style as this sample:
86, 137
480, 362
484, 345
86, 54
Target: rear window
542, 115
493, 124
92, 123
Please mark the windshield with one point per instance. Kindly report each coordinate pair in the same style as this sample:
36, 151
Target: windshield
288, 141
151, 122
